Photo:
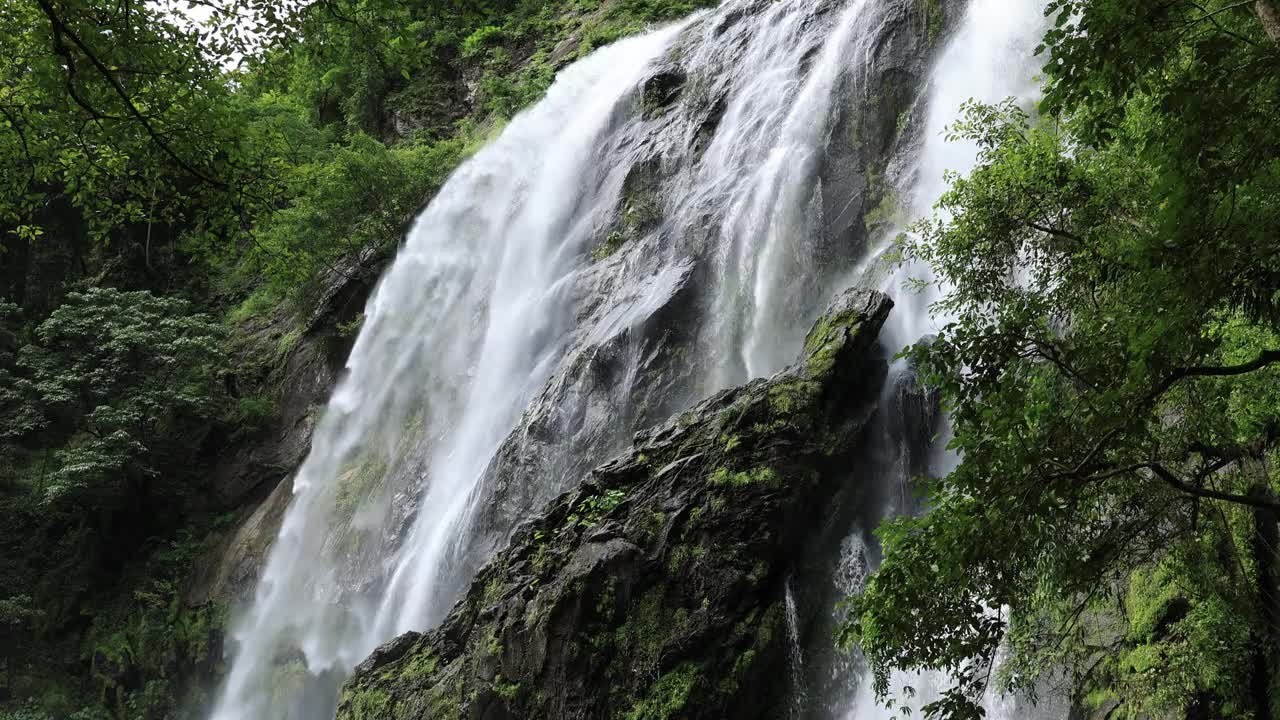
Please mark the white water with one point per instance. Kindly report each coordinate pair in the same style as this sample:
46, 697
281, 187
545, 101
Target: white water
763, 165
481, 307
795, 651
465, 326
989, 58
541, 238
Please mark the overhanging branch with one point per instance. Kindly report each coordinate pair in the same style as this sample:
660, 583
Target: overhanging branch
62, 30
1265, 358
1174, 481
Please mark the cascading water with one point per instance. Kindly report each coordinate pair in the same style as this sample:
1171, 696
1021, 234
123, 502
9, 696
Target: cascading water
463, 330
500, 359
763, 167
795, 651
989, 58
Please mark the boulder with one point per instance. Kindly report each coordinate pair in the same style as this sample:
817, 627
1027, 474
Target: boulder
656, 588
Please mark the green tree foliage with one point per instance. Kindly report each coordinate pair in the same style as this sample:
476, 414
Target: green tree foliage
18, 615
1111, 364
117, 112
20, 417
351, 204
105, 405
144, 142
126, 381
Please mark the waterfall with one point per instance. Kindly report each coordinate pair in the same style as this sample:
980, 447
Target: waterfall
598, 266
763, 167
795, 651
463, 329
988, 58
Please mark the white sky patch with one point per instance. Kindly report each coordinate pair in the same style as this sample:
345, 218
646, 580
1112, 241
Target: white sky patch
199, 17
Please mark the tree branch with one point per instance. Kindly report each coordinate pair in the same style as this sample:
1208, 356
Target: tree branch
1053, 231
62, 30
1265, 358
1173, 481
1102, 441
1050, 353
1207, 15
26, 149
1210, 16
1107, 474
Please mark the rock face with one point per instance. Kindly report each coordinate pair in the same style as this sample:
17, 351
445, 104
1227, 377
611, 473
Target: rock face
656, 588
255, 475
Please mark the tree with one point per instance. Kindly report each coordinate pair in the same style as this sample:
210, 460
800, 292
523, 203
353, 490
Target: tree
127, 380
1111, 365
120, 111
18, 615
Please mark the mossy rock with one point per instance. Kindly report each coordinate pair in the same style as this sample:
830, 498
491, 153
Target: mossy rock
656, 588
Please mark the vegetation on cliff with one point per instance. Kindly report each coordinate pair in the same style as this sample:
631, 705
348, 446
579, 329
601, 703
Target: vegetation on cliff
1113, 376
190, 192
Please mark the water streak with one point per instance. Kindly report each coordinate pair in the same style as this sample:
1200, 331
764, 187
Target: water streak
761, 176
989, 58
795, 650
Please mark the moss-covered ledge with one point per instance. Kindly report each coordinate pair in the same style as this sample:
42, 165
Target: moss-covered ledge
654, 590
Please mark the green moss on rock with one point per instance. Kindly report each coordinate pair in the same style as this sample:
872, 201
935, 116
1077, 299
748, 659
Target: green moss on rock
654, 589
366, 703
755, 476
668, 695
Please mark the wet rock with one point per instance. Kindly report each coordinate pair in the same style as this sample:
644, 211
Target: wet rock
662, 89
228, 571
706, 128
1107, 710
879, 118
656, 588
430, 105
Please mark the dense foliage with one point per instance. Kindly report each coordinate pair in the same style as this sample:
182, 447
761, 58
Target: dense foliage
1111, 361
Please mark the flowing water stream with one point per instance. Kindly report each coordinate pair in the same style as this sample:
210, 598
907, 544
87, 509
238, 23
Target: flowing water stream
988, 58
501, 357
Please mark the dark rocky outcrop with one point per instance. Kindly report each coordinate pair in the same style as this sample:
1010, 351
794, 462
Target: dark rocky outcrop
663, 88
656, 588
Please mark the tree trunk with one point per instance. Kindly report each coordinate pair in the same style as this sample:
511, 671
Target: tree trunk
6, 670
1266, 542
1269, 14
